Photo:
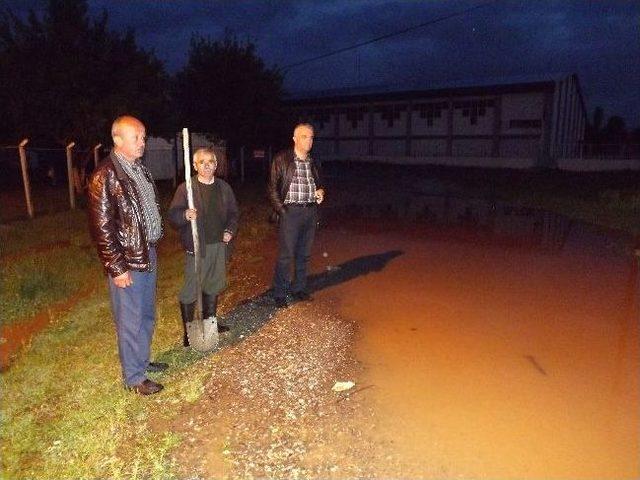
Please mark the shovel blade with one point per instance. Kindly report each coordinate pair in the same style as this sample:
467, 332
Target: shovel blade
203, 337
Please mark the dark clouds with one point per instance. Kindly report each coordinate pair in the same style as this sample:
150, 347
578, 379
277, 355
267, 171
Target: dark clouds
599, 40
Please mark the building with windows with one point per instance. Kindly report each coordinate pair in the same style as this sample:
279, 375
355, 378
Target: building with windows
514, 122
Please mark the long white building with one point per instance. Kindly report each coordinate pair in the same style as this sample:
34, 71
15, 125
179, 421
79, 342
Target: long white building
513, 122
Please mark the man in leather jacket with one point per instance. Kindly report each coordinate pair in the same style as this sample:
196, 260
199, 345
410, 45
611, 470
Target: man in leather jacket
125, 223
295, 190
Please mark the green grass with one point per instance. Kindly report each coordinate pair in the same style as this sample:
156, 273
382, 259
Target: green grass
43, 261
30, 283
617, 209
610, 200
64, 411
68, 227
66, 415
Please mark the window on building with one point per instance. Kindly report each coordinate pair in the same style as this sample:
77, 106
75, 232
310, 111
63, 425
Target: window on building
430, 111
321, 117
521, 123
355, 115
474, 109
390, 113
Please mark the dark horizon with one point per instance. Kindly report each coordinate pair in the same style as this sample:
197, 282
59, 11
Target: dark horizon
596, 40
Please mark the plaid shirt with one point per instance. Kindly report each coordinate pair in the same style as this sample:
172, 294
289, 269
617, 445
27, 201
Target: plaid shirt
136, 171
303, 186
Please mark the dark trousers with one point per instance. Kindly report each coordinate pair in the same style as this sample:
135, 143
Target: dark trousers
295, 237
213, 273
134, 313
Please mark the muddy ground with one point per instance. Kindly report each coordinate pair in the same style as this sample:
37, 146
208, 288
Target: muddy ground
451, 381
269, 409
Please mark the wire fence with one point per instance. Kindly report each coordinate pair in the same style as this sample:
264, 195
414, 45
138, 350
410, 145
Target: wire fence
52, 179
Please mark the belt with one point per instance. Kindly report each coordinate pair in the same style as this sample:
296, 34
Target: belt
301, 205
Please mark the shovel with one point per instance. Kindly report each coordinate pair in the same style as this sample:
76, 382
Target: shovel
201, 332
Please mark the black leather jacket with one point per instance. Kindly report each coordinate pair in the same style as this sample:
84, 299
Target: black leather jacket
283, 168
116, 219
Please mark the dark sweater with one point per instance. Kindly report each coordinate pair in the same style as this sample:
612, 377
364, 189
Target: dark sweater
222, 211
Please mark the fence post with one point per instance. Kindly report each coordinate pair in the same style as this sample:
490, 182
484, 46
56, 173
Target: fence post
242, 164
176, 163
72, 197
25, 175
96, 155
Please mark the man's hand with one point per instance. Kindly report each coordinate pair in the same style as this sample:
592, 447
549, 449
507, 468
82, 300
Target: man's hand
190, 214
226, 237
123, 281
319, 195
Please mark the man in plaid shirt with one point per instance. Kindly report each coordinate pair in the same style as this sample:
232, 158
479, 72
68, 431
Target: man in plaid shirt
295, 190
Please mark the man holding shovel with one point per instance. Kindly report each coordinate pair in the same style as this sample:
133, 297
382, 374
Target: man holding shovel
125, 223
216, 214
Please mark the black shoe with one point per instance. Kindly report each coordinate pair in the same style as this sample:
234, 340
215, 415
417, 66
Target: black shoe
281, 302
157, 366
302, 296
222, 328
147, 387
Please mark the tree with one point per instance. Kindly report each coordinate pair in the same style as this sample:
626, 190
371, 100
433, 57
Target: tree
593, 128
615, 131
226, 89
599, 133
65, 77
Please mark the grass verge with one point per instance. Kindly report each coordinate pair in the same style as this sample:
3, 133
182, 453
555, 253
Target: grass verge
615, 209
64, 412
43, 261
610, 200
32, 282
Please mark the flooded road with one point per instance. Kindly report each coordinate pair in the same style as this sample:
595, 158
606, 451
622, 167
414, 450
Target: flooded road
499, 348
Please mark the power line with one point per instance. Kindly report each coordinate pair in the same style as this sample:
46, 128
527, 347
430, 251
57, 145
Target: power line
388, 35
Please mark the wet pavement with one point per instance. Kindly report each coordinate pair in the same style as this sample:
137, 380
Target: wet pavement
500, 342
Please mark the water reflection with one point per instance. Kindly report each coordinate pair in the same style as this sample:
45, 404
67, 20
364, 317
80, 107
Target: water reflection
629, 319
494, 362
464, 219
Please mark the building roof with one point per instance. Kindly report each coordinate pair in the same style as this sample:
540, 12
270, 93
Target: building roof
398, 91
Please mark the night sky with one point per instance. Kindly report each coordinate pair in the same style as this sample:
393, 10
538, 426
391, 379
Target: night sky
599, 40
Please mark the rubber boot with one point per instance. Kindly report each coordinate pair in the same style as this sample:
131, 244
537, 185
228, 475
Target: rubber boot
186, 310
210, 309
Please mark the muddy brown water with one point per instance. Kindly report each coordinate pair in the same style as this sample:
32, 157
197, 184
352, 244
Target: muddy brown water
506, 348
